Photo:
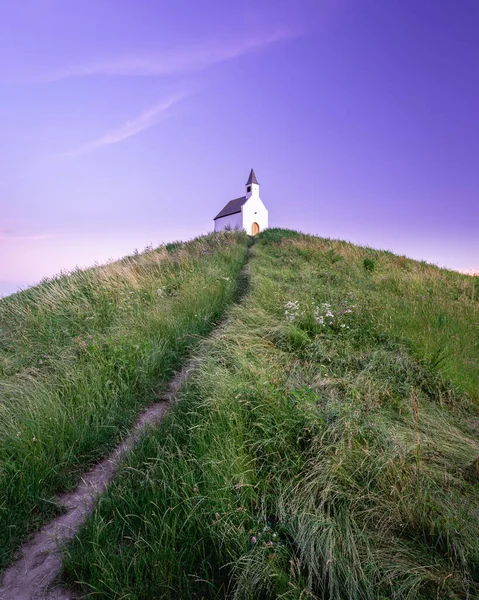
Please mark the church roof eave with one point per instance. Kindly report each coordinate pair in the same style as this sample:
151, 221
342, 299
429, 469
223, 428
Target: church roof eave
231, 208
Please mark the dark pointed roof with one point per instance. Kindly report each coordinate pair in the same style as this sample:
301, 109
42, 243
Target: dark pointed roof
252, 178
233, 206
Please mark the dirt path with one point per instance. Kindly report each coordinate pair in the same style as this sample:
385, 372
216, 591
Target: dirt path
38, 563
39, 560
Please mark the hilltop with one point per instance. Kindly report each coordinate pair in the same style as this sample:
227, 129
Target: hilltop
325, 446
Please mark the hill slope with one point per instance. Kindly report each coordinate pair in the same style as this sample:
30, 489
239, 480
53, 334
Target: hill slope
326, 447
81, 355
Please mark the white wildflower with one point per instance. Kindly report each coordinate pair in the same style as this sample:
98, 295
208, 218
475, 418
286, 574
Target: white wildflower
292, 310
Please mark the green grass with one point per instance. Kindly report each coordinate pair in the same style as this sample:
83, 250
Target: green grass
310, 456
435, 311
81, 355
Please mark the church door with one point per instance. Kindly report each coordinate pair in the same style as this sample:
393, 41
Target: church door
254, 229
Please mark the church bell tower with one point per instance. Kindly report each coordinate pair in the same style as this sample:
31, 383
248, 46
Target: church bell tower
252, 185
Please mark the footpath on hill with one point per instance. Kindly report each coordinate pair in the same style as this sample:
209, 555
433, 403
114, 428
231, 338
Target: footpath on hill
159, 305
325, 445
33, 573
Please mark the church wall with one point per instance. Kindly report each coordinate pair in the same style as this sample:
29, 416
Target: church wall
232, 221
254, 211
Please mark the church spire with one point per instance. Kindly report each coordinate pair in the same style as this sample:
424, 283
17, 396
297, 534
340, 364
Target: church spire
252, 185
252, 178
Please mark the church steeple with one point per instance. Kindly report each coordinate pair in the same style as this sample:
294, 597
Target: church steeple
252, 178
252, 185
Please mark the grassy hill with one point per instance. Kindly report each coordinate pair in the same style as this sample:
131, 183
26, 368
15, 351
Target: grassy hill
81, 355
325, 447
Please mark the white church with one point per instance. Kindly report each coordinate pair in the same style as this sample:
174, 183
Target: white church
248, 212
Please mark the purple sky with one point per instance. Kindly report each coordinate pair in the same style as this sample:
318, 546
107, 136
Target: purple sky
127, 122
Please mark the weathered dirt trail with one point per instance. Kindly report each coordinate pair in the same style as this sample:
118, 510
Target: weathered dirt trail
39, 560
38, 563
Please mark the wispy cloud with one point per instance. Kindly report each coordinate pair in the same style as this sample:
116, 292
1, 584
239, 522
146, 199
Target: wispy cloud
183, 60
144, 121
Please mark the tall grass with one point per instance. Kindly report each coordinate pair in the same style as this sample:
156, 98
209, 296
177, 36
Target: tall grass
434, 310
82, 354
314, 453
